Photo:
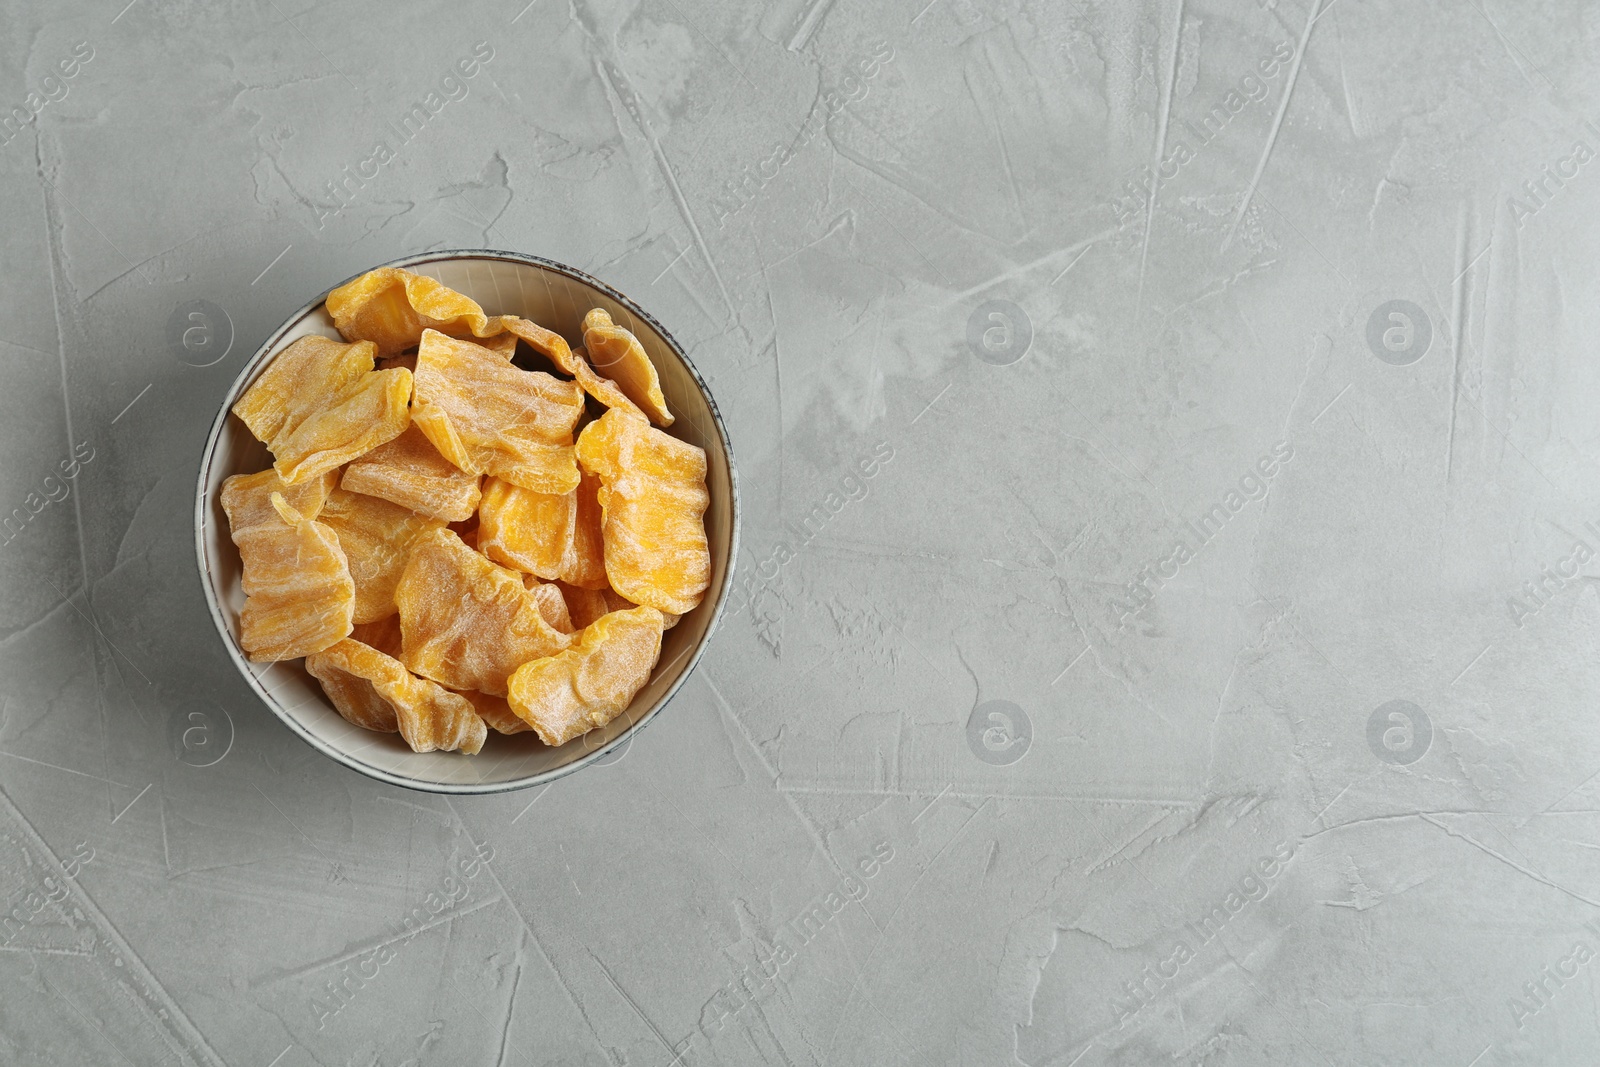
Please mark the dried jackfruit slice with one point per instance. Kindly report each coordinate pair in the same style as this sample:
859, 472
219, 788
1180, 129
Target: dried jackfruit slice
552, 605
408, 360
653, 496
355, 421
410, 472
376, 692
587, 605
584, 605
467, 623
353, 695
615, 601
584, 563
602, 389
575, 362
391, 307
524, 529
502, 344
568, 360
544, 534
496, 713
489, 417
617, 353
319, 404
307, 372
585, 687
383, 635
247, 498
376, 536
547, 343
298, 593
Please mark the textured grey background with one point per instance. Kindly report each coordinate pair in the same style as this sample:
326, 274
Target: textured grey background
822, 198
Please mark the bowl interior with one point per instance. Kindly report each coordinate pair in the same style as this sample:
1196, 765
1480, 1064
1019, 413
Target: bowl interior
557, 300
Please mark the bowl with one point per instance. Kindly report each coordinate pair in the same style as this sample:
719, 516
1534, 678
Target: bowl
555, 296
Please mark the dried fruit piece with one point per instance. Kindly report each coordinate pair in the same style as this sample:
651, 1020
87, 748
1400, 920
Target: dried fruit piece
489, 417
545, 534
615, 601
408, 360
653, 495
307, 372
375, 536
524, 529
602, 389
552, 605
410, 472
591, 683
376, 692
320, 404
584, 564
383, 635
496, 713
617, 353
391, 307
568, 360
298, 593
584, 605
247, 498
355, 421
467, 623
547, 343
503, 344
353, 695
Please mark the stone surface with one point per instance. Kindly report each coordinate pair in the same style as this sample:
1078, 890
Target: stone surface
986, 768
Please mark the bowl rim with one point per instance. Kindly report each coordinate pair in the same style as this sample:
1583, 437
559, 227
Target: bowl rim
208, 458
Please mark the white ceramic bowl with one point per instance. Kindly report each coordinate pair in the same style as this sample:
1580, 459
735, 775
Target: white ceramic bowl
556, 297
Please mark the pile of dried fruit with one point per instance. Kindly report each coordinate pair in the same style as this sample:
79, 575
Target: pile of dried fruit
452, 542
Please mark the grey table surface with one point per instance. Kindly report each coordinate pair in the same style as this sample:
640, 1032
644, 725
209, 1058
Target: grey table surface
1168, 596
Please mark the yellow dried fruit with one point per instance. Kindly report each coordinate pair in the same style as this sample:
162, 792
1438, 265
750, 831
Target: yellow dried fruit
376, 692
298, 379
410, 472
319, 404
383, 635
299, 597
489, 417
568, 360
583, 605
547, 343
615, 601
496, 713
247, 498
524, 529
466, 622
408, 360
584, 563
376, 536
503, 344
617, 353
583, 688
391, 307
552, 605
653, 496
